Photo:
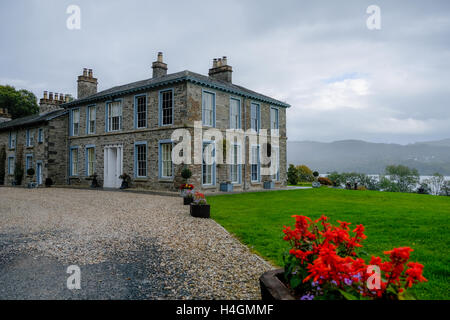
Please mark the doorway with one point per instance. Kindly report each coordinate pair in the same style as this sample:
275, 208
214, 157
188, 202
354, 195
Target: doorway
113, 166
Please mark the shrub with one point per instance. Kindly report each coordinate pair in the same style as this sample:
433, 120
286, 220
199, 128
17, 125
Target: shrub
325, 181
30, 172
436, 184
292, 175
304, 173
401, 178
186, 173
315, 174
324, 263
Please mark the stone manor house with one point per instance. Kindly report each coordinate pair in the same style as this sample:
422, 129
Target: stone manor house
128, 128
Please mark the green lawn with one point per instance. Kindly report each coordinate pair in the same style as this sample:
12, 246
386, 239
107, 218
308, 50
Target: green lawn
391, 220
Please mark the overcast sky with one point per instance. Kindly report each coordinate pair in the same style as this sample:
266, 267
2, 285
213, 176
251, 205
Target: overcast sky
343, 80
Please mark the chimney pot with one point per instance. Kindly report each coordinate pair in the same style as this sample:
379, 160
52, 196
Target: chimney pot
50, 96
45, 95
85, 72
160, 57
90, 73
67, 97
159, 67
221, 70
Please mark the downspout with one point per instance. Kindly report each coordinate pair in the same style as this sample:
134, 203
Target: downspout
245, 145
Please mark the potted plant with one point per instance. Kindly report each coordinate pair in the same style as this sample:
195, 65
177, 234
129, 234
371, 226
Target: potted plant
185, 187
48, 182
199, 207
30, 174
269, 184
95, 184
186, 174
188, 197
126, 181
226, 186
324, 263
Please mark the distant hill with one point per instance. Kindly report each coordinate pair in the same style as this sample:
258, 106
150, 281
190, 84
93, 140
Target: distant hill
371, 158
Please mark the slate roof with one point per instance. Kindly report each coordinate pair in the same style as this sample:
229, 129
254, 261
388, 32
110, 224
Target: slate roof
172, 79
31, 120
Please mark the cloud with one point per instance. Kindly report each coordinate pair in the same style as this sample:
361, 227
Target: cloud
342, 80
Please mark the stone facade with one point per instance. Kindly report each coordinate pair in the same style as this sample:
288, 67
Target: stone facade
187, 94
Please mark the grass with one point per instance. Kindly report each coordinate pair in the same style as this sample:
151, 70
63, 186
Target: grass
391, 220
302, 184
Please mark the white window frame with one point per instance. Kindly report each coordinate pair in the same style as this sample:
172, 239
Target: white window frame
235, 115
74, 163
163, 161
235, 166
90, 163
213, 165
110, 118
72, 122
258, 116
274, 121
212, 112
91, 122
258, 164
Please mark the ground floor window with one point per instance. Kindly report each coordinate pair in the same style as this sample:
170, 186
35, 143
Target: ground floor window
235, 166
208, 166
90, 161
166, 160
29, 162
255, 164
276, 159
140, 154
11, 165
74, 161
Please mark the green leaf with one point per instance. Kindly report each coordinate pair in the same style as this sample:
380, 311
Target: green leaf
405, 295
348, 296
295, 282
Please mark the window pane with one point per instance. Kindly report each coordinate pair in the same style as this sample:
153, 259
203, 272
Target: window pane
166, 107
166, 157
208, 163
90, 161
141, 158
208, 109
141, 110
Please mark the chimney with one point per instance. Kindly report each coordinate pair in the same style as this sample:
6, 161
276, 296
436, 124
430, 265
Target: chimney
221, 70
49, 103
159, 67
87, 84
4, 115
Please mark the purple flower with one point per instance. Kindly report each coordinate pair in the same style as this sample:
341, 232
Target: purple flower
307, 296
348, 281
334, 282
315, 283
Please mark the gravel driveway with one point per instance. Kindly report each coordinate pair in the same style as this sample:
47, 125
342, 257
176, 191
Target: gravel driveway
127, 245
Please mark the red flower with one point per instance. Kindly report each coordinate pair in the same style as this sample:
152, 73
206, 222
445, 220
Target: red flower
414, 274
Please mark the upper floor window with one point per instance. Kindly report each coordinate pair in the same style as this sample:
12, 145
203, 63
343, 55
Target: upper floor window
166, 160
75, 122
235, 113
114, 116
30, 138
90, 161
140, 110
255, 117
166, 107
274, 119
74, 161
12, 140
140, 159
40, 135
91, 119
208, 108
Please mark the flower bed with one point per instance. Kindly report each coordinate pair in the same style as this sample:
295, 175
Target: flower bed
324, 264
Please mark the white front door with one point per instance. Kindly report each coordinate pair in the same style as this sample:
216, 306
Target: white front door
113, 166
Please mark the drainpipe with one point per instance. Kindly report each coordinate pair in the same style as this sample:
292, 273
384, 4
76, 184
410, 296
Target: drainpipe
245, 145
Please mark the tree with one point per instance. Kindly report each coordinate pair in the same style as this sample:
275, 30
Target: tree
20, 103
305, 174
292, 175
401, 179
436, 184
